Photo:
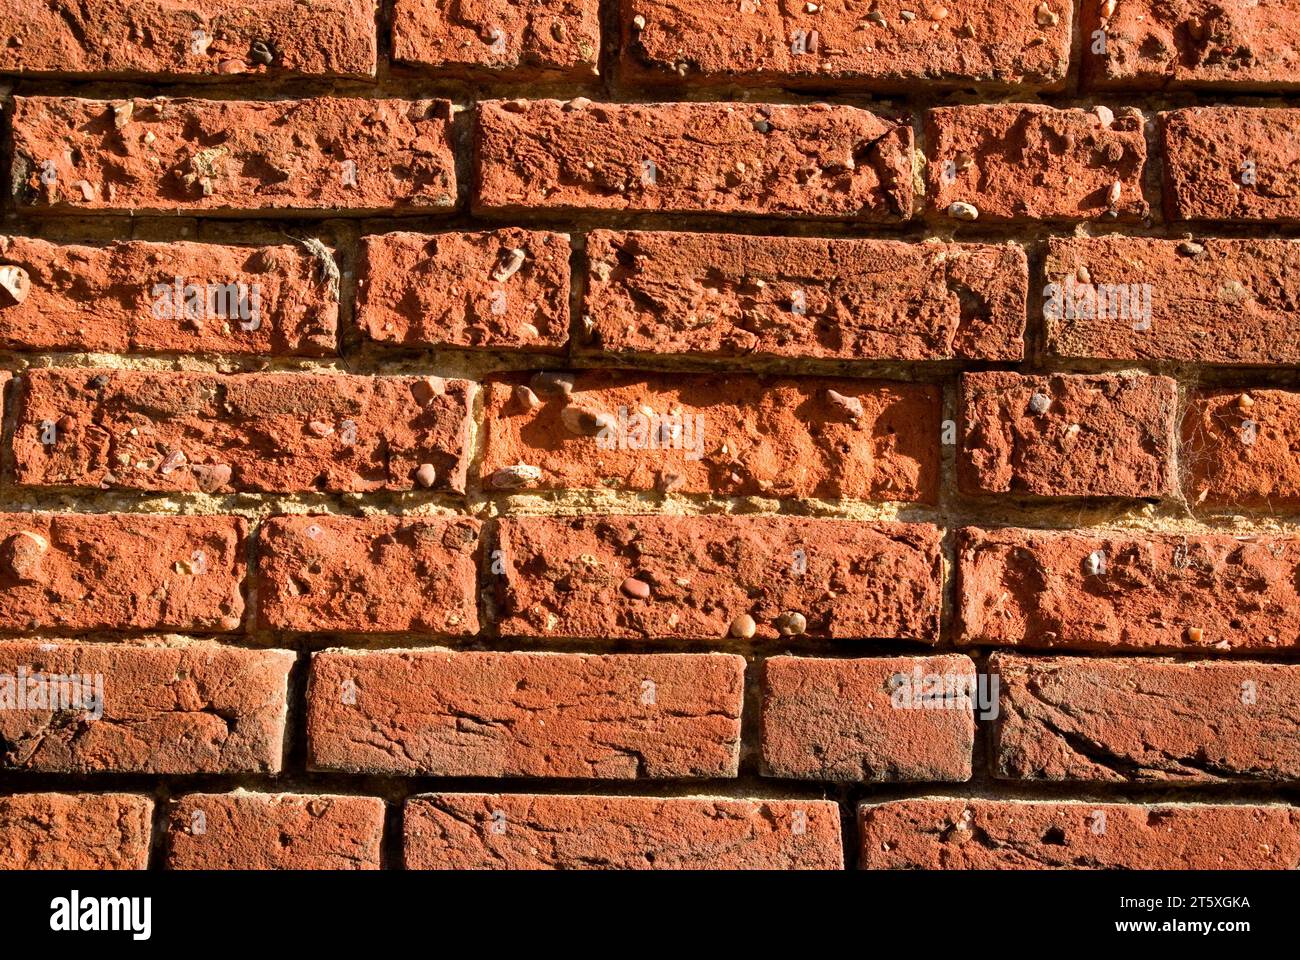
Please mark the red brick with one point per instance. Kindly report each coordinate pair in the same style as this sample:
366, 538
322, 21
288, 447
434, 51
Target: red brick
1131, 720
1020, 162
539, 40
1186, 43
1210, 300
754, 436
123, 297
868, 720
1104, 590
74, 831
441, 290
563, 577
270, 155
121, 572
1099, 436
144, 38
1239, 448
811, 160
263, 430
976, 41
483, 831
186, 708
730, 296
445, 714
1231, 164
262, 831
368, 574
939, 833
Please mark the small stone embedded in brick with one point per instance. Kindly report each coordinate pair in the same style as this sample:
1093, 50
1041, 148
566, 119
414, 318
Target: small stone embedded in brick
368, 574
735, 435
177, 708
1028, 162
74, 831
262, 831
813, 161
450, 290
1125, 720
232, 156
737, 296
868, 720
1239, 448
480, 831
274, 432
442, 713
1109, 435
561, 577
128, 296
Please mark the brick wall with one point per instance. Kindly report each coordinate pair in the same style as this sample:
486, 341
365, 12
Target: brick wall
622, 434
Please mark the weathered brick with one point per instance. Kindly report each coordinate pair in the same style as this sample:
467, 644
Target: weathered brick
440, 713
539, 40
1124, 591
1063, 435
1231, 164
1239, 448
1206, 301
878, 719
1133, 720
812, 161
1187, 43
167, 709
368, 574
262, 831
147, 430
74, 831
733, 296
941, 833
321, 153
155, 38
168, 298
121, 572
727, 435
1022, 162
971, 41
564, 577
482, 831
442, 290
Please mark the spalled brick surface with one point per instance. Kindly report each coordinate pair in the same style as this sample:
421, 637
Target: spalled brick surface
156, 38
1235, 164
1021, 162
125, 297
1138, 720
868, 720
568, 577
473, 831
734, 296
440, 713
855, 43
121, 572
815, 161
1123, 591
466, 290
733, 435
938, 833
142, 430
1066, 436
324, 153
74, 831
553, 38
1205, 301
363, 574
254, 831
1239, 448
193, 708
